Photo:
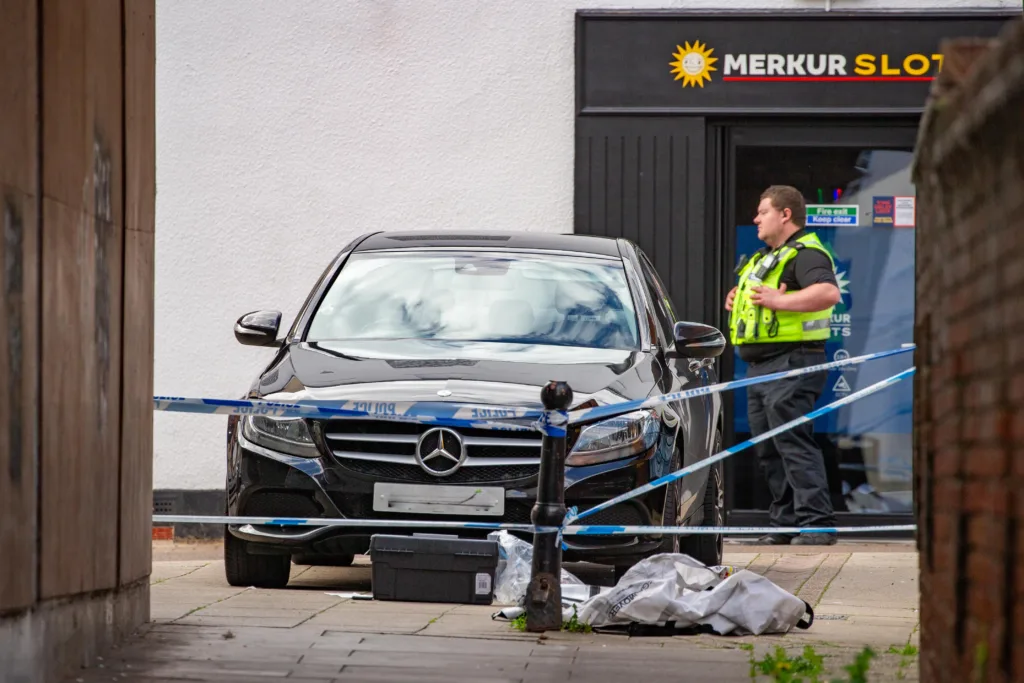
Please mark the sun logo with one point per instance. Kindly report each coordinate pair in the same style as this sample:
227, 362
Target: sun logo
693, 64
843, 282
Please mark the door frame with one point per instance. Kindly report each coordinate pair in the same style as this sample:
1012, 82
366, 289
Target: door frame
723, 137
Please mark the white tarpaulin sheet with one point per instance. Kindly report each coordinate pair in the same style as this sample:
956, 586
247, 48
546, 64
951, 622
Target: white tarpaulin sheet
668, 590
676, 589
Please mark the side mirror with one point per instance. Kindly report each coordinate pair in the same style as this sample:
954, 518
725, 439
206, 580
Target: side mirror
694, 340
258, 328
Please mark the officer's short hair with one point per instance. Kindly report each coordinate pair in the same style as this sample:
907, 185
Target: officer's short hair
787, 197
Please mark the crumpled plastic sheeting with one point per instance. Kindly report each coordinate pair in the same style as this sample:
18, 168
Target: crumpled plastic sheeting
573, 595
515, 562
675, 588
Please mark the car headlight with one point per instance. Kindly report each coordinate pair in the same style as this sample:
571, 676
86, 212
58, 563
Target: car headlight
283, 434
619, 437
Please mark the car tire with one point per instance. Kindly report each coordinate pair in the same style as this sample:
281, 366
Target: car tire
706, 548
245, 569
703, 548
324, 560
671, 542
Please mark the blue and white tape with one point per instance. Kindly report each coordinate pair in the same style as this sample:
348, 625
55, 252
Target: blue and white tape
588, 414
419, 412
732, 450
572, 530
447, 414
343, 522
551, 423
595, 530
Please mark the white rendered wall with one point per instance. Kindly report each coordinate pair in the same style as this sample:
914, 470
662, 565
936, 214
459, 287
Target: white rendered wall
287, 127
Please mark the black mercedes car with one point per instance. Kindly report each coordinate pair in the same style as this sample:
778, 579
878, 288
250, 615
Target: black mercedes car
483, 318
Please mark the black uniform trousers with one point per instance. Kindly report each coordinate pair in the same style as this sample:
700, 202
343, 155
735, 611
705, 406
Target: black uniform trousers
791, 461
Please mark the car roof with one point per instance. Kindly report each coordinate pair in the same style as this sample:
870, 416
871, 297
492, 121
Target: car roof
544, 241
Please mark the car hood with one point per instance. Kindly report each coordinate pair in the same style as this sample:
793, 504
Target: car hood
474, 372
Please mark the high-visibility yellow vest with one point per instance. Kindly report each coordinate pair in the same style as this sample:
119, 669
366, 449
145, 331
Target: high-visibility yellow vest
752, 324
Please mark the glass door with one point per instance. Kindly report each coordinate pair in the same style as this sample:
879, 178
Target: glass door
861, 203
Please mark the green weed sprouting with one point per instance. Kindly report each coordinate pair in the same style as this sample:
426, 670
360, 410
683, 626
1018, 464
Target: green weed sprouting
806, 668
519, 623
573, 624
780, 667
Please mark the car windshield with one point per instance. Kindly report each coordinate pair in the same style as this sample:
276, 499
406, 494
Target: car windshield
489, 297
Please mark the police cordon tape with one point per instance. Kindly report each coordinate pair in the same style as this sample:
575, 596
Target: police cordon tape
451, 414
416, 412
743, 445
345, 522
218, 406
639, 404
587, 530
606, 530
573, 515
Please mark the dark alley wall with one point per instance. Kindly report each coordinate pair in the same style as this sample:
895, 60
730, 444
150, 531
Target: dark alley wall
77, 195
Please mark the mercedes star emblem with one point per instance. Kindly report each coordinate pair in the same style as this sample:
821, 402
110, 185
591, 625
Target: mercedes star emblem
440, 452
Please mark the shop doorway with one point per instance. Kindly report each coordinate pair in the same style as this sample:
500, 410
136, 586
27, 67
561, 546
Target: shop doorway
856, 181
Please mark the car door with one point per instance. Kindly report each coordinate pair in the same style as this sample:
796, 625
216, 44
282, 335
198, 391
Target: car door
696, 414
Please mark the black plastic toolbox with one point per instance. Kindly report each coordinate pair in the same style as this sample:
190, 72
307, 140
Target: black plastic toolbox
433, 568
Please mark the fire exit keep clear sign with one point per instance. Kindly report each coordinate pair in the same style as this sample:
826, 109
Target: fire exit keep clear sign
832, 215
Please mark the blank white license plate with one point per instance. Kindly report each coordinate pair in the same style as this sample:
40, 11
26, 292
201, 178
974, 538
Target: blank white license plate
428, 499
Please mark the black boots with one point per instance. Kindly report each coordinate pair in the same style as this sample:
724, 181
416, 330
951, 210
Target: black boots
800, 539
816, 539
774, 539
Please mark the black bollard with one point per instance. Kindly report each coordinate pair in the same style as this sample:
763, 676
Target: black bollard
544, 594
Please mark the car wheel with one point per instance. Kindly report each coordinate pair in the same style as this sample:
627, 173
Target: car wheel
244, 569
325, 560
671, 542
708, 548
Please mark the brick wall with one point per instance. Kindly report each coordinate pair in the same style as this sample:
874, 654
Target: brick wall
969, 416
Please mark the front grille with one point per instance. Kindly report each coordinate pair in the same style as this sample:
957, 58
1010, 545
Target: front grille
389, 471
628, 513
623, 514
516, 512
387, 450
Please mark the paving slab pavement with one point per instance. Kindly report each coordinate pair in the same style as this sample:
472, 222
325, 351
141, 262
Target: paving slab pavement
204, 630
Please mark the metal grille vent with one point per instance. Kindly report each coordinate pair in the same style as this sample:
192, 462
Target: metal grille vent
388, 449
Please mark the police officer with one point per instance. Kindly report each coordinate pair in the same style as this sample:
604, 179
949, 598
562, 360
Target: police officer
780, 314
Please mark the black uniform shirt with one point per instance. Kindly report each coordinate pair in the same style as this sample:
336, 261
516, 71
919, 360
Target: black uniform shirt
808, 267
